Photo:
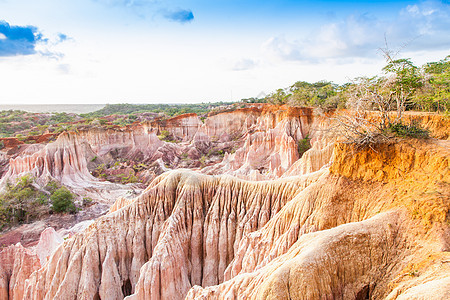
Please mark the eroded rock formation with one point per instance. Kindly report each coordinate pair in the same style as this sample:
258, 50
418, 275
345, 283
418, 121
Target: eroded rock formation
370, 224
317, 235
17, 264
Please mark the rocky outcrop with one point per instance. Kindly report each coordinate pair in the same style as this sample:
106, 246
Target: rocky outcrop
317, 235
48, 242
183, 127
174, 227
373, 223
64, 160
17, 264
345, 262
264, 138
270, 140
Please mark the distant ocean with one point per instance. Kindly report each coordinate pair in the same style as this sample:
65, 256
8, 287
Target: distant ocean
43, 108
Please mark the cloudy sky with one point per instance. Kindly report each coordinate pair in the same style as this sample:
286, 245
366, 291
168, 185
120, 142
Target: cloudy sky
161, 51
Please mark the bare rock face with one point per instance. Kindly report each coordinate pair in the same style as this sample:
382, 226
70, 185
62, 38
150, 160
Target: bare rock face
340, 263
183, 230
64, 160
264, 138
48, 242
270, 140
183, 127
16, 265
371, 224
306, 237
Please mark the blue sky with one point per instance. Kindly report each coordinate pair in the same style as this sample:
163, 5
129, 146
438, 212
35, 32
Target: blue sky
156, 51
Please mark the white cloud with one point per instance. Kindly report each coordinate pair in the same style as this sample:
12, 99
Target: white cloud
2, 36
244, 64
421, 26
280, 47
413, 10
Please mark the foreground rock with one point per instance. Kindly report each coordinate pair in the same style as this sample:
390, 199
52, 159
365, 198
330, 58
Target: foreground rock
17, 264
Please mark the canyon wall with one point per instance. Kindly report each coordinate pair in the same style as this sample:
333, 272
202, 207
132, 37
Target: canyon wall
17, 264
324, 234
258, 142
337, 222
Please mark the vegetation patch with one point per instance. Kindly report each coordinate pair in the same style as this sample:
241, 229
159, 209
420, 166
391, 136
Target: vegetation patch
24, 201
62, 201
303, 145
412, 130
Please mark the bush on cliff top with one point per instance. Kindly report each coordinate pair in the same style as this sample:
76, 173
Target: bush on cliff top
412, 130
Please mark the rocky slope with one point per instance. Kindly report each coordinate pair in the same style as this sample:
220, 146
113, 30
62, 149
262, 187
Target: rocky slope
338, 233
263, 137
107, 163
17, 263
370, 224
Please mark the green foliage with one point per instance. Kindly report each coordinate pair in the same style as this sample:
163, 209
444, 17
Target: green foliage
52, 186
42, 128
62, 201
278, 98
13, 122
2, 145
21, 202
166, 136
323, 94
62, 117
202, 160
412, 130
94, 158
124, 121
404, 87
128, 179
303, 145
435, 93
140, 167
87, 201
167, 109
254, 100
404, 83
24, 201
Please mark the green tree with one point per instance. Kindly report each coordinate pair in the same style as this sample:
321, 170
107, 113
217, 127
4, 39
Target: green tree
435, 94
405, 79
62, 201
279, 97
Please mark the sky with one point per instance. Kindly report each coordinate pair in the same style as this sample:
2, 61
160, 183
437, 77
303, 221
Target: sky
191, 51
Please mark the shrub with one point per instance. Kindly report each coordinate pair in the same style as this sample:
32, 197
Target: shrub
87, 201
21, 202
413, 130
202, 160
304, 145
52, 186
62, 201
165, 134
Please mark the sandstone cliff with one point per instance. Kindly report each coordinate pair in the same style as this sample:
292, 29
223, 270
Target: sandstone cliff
373, 223
326, 234
258, 142
17, 263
